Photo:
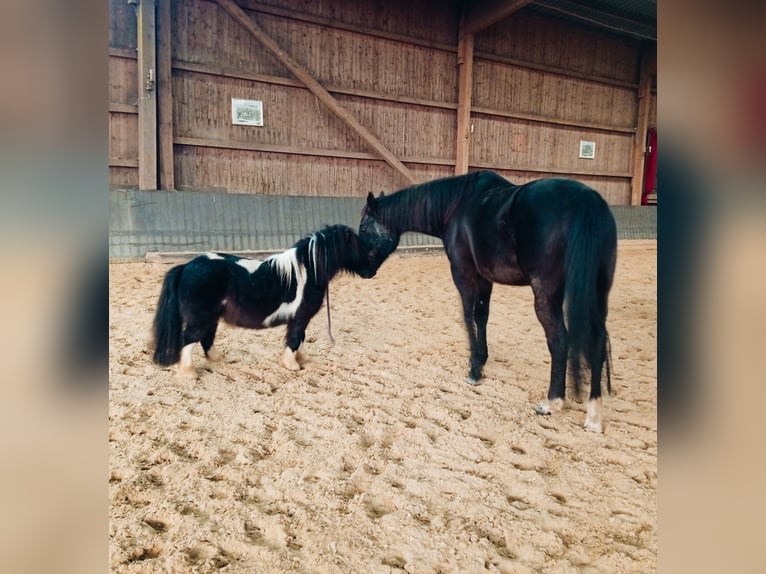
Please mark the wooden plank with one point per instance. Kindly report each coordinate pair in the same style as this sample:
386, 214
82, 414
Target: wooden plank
118, 108
465, 91
272, 148
276, 80
481, 15
335, 24
316, 88
553, 121
147, 96
127, 53
642, 126
122, 162
552, 170
165, 95
371, 94
555, 70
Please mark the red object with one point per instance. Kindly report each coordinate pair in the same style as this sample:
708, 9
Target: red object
650, 165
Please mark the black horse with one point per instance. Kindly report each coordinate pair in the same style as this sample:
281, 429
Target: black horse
556, 235
288, 287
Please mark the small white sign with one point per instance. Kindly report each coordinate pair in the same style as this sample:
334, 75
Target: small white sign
587, 150
246, 112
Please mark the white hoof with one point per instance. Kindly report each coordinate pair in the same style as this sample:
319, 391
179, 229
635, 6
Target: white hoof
594, 419
473, 382
186, 372
288, 360
549, 407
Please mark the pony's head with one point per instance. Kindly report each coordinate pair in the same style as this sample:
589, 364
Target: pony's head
381, 239
338, 248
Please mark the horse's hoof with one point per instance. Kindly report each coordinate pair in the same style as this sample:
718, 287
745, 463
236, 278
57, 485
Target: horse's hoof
543, 408
593, 427
473, 382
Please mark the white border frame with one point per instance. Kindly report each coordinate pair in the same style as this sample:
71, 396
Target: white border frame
587, 149
246, 112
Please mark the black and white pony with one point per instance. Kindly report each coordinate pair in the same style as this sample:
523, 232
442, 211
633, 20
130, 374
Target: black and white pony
556, 235
286, 288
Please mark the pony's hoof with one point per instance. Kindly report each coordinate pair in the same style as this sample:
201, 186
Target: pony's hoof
288, 360
473, 382
186, 373
543, 408
214, 355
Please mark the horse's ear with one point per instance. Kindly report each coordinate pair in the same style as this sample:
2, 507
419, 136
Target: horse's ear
370, 201
381, 194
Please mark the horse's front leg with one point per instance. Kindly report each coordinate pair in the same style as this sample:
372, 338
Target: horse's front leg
468, 296
481, 316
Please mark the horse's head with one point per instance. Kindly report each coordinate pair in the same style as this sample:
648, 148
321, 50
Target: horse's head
381, 240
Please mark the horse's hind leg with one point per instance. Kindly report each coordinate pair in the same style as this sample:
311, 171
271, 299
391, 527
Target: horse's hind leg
594, 418
549, 310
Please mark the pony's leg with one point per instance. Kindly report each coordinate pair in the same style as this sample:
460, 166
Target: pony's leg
594, 417
211, 352
549, 311
194, 332
300, 354
296, 333
185, 367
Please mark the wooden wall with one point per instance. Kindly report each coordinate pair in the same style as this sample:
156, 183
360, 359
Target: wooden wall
540, 86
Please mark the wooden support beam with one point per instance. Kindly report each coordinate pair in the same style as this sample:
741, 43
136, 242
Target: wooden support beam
147, 96
165, 95
481, 15
315, 87
642, 126
465, 90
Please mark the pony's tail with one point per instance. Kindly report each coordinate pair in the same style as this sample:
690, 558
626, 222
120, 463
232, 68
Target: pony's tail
590, 261
167, 328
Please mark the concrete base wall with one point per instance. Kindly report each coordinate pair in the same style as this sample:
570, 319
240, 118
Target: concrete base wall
159, 221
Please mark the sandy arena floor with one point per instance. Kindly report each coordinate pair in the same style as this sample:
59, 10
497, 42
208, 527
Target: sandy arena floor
377, 457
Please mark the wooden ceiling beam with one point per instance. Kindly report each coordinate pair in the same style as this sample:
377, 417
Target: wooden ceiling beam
315, 87
481, 15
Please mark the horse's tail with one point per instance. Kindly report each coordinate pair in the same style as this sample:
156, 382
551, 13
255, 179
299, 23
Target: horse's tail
167, 328
590, 261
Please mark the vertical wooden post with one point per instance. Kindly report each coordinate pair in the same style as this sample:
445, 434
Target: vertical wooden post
465, 89
165, 95
642, 125
147, 98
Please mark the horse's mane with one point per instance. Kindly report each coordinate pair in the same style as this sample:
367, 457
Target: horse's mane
428, 205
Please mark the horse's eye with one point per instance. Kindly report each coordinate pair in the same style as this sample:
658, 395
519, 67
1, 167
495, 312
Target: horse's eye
363, 227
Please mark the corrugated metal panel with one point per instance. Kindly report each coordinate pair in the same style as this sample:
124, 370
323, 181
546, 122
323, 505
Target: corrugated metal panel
145, 221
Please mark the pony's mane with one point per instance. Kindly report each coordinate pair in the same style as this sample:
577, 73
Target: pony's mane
427, 205
324, 252
285, 263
